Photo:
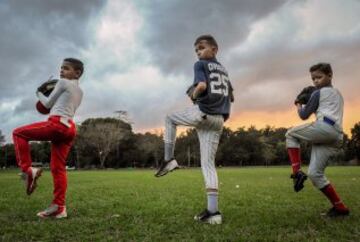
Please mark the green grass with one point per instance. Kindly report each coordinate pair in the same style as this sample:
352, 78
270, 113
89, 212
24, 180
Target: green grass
132, 205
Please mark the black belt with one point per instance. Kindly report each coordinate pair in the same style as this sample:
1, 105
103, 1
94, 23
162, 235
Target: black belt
329, 121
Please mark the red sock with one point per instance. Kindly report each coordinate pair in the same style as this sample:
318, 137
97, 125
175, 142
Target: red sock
294, 155
334, 198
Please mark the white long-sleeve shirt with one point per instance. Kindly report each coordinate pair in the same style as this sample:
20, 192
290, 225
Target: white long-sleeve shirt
64, 99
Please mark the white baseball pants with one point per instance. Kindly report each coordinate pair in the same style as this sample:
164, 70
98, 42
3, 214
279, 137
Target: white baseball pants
209, 129
326, 141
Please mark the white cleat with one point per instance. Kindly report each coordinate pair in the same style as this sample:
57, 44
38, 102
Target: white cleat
167, 167
209, 218
30, 178
54, 211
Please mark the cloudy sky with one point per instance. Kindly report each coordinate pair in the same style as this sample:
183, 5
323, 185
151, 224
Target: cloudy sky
139, 55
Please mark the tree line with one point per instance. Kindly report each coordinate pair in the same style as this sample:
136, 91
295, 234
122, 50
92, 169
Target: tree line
111, 143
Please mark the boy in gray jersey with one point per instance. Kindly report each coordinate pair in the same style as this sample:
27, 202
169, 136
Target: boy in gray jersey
59, 129
325, 134
212, 96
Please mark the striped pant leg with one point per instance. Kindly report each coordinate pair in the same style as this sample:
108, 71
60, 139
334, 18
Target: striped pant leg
191, 116
209, 134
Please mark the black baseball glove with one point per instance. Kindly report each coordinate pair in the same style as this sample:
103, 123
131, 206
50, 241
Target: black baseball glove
190, 92
47, 87
304, 96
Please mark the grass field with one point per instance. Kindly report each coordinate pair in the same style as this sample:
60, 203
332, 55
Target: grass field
132, 205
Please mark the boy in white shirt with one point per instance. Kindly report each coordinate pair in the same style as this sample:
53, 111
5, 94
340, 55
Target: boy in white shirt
59, 129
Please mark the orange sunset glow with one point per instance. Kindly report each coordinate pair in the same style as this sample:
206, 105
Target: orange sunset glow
288, 118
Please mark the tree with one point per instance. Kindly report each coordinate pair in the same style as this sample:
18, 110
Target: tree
102, 135
7, 155
355, 140
3, 154
150, 147
2, 138
40, 151
187, 150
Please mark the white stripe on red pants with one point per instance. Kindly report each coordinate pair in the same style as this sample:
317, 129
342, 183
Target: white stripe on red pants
61, 136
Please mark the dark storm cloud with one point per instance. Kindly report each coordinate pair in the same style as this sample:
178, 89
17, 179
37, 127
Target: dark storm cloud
35, 36
273, 65
287, 67
172, 26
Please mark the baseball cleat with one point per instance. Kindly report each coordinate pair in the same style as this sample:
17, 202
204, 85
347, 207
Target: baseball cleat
209, 218
335, 212
299, 179
54, 211
30, 178
167, 167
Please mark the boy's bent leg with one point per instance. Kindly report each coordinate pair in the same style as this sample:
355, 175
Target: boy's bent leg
293, 137
59, 153
169, 164
187, 117
320, 155
169, 138
21, 138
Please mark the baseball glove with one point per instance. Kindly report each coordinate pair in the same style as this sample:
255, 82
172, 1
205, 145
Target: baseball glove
190, 92
304, 96
47, 87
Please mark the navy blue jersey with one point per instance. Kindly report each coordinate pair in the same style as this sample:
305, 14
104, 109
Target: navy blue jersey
216, 98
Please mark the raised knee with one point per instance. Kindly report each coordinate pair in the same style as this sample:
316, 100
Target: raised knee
317, 179
288, 133
168, 118
312, 175
16, 132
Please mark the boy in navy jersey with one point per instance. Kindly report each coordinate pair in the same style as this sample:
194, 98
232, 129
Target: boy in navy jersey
212, 99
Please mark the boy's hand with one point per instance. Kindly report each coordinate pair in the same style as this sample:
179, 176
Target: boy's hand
190, 92
304, 96
194, 91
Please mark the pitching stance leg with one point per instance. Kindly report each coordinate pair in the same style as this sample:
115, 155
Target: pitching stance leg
209, 135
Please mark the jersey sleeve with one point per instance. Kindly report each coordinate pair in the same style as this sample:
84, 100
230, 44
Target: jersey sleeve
199, 72
49, 101
311, 106
231, 92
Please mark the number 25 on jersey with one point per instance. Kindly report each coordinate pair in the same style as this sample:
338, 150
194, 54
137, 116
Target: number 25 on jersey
219, 84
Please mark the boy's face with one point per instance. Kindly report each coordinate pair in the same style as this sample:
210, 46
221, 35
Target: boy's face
204, 50
320, 79
67, 71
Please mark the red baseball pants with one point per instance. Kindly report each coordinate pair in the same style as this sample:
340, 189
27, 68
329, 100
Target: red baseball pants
61, 132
